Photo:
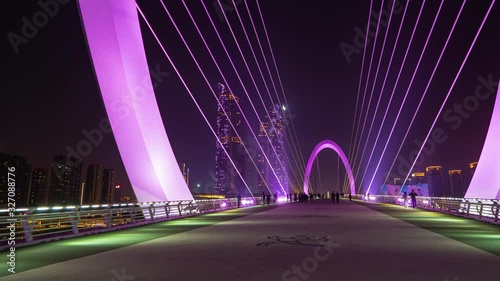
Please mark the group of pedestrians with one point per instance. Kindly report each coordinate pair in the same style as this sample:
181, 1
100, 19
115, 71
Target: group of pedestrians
413, 196
266, 199
300, 197
335, 197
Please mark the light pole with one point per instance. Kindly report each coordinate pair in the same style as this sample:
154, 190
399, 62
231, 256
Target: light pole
81, 195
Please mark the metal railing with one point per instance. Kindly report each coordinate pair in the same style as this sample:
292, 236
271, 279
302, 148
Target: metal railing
40, 224
483, 209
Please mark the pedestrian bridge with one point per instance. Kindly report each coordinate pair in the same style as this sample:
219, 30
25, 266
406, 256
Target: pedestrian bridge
318, 240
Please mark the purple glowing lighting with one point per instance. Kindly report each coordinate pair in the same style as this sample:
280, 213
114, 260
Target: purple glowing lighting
115, 43
451, 89
486, 180
331, 145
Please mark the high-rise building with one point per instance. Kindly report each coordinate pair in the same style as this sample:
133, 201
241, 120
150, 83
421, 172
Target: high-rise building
93, 184
39, 191
185, 172
472, 167
418, 178
65, 181
227, 180
108, 185
435, 180
117, 193
272, 139
4, 165
456, 183
22, 176
398, 181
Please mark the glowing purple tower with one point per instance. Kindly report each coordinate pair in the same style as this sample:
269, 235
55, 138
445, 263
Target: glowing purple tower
116, 48
486, 179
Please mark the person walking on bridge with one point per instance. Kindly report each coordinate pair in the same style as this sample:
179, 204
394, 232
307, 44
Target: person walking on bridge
333, 197
405, 200
337, 197
350, 197
413, 196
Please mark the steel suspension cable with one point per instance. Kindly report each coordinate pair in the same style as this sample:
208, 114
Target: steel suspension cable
452, 86
405, 97
193, 98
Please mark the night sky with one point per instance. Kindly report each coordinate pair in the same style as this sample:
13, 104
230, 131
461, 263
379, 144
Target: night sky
51, 93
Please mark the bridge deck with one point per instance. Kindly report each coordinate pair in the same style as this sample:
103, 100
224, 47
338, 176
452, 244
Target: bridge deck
311, 241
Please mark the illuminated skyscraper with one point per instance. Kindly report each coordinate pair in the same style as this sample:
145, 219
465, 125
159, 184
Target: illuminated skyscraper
398, 181
185, 172
22, 176
274, 125
39, 191
227, 180
117, 194
65, 181
435, 180
108, 185
418, 178
472, 167
456, 183
93, 184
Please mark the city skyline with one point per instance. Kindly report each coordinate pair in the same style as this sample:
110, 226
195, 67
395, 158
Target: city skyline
65, 182
271, 140
315, 99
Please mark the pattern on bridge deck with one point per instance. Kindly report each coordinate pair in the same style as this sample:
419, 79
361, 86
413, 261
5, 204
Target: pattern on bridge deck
59, 251
361, 244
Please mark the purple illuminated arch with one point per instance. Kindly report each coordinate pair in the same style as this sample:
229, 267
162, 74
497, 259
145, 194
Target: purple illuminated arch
486, 180
116, 47
331, 145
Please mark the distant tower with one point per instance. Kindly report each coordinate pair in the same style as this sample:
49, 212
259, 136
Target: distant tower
472, 167
398, 181
418, 178
435, 180
456, 183
39, 191
274, 126
108, 185
93, 184
65, 181
227, 180
22, 178
117, 193
185, 172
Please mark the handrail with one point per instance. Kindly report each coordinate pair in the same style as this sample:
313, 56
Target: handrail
483, 209
26, 226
